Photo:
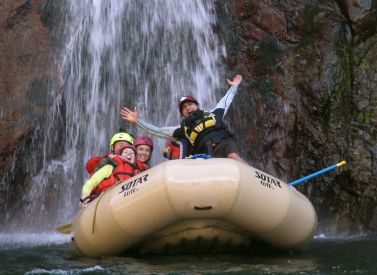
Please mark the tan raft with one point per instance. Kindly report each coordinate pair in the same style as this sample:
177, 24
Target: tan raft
198, 204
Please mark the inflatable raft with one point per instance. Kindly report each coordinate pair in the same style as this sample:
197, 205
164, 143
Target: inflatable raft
195, 204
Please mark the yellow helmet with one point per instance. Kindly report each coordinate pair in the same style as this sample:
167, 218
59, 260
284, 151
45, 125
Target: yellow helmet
121, 137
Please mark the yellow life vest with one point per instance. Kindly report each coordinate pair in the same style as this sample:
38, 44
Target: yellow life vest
206, 121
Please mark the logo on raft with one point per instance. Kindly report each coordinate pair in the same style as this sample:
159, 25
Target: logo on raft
131, 187
267, 181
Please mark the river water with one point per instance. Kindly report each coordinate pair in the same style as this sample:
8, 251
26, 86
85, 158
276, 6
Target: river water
51, 253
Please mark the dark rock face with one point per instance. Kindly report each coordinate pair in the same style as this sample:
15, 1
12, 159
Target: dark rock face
307, 101
25, 72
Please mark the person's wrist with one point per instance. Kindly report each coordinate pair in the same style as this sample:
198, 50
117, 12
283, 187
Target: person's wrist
83, 198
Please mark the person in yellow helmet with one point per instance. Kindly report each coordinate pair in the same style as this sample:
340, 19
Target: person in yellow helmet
101, 167
121, 168
117, 142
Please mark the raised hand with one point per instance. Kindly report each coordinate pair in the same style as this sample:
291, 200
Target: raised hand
129, 115
236, 80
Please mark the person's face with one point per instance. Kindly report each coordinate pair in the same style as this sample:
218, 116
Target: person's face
143, 152
188, 107
117, 146
129, 155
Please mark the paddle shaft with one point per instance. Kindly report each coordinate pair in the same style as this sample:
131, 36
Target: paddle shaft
308, 177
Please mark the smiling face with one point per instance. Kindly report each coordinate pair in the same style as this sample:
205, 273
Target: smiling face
128, 154
188, 107
143, 152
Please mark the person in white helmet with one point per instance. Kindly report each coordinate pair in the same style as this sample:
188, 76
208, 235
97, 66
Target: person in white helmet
204, 131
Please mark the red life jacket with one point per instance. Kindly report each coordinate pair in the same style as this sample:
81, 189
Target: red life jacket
97, 162
92, 163
172, 150
123, 171
141, 166
175, 152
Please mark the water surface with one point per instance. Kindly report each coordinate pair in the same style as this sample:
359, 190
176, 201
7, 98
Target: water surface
53, 254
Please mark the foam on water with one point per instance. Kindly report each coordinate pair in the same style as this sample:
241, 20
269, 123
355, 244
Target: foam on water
95, 269
357, 237
18, 240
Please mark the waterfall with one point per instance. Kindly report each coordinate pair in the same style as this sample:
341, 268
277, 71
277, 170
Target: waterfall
116, 53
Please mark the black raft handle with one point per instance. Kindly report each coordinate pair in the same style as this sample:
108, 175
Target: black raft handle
209, 207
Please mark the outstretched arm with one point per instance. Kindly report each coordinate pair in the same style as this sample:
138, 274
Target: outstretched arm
225, 102
133, 116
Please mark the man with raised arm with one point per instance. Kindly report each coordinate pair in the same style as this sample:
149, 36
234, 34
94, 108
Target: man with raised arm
204, 132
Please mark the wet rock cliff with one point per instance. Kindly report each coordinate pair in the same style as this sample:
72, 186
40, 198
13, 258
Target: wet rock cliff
309, 99
26, 71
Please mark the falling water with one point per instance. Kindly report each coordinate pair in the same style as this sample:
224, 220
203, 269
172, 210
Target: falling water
116, 53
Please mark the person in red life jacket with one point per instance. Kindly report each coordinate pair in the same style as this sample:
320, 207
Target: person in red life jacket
110, 174
144, 149
117, 142
172, 150
203, 130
